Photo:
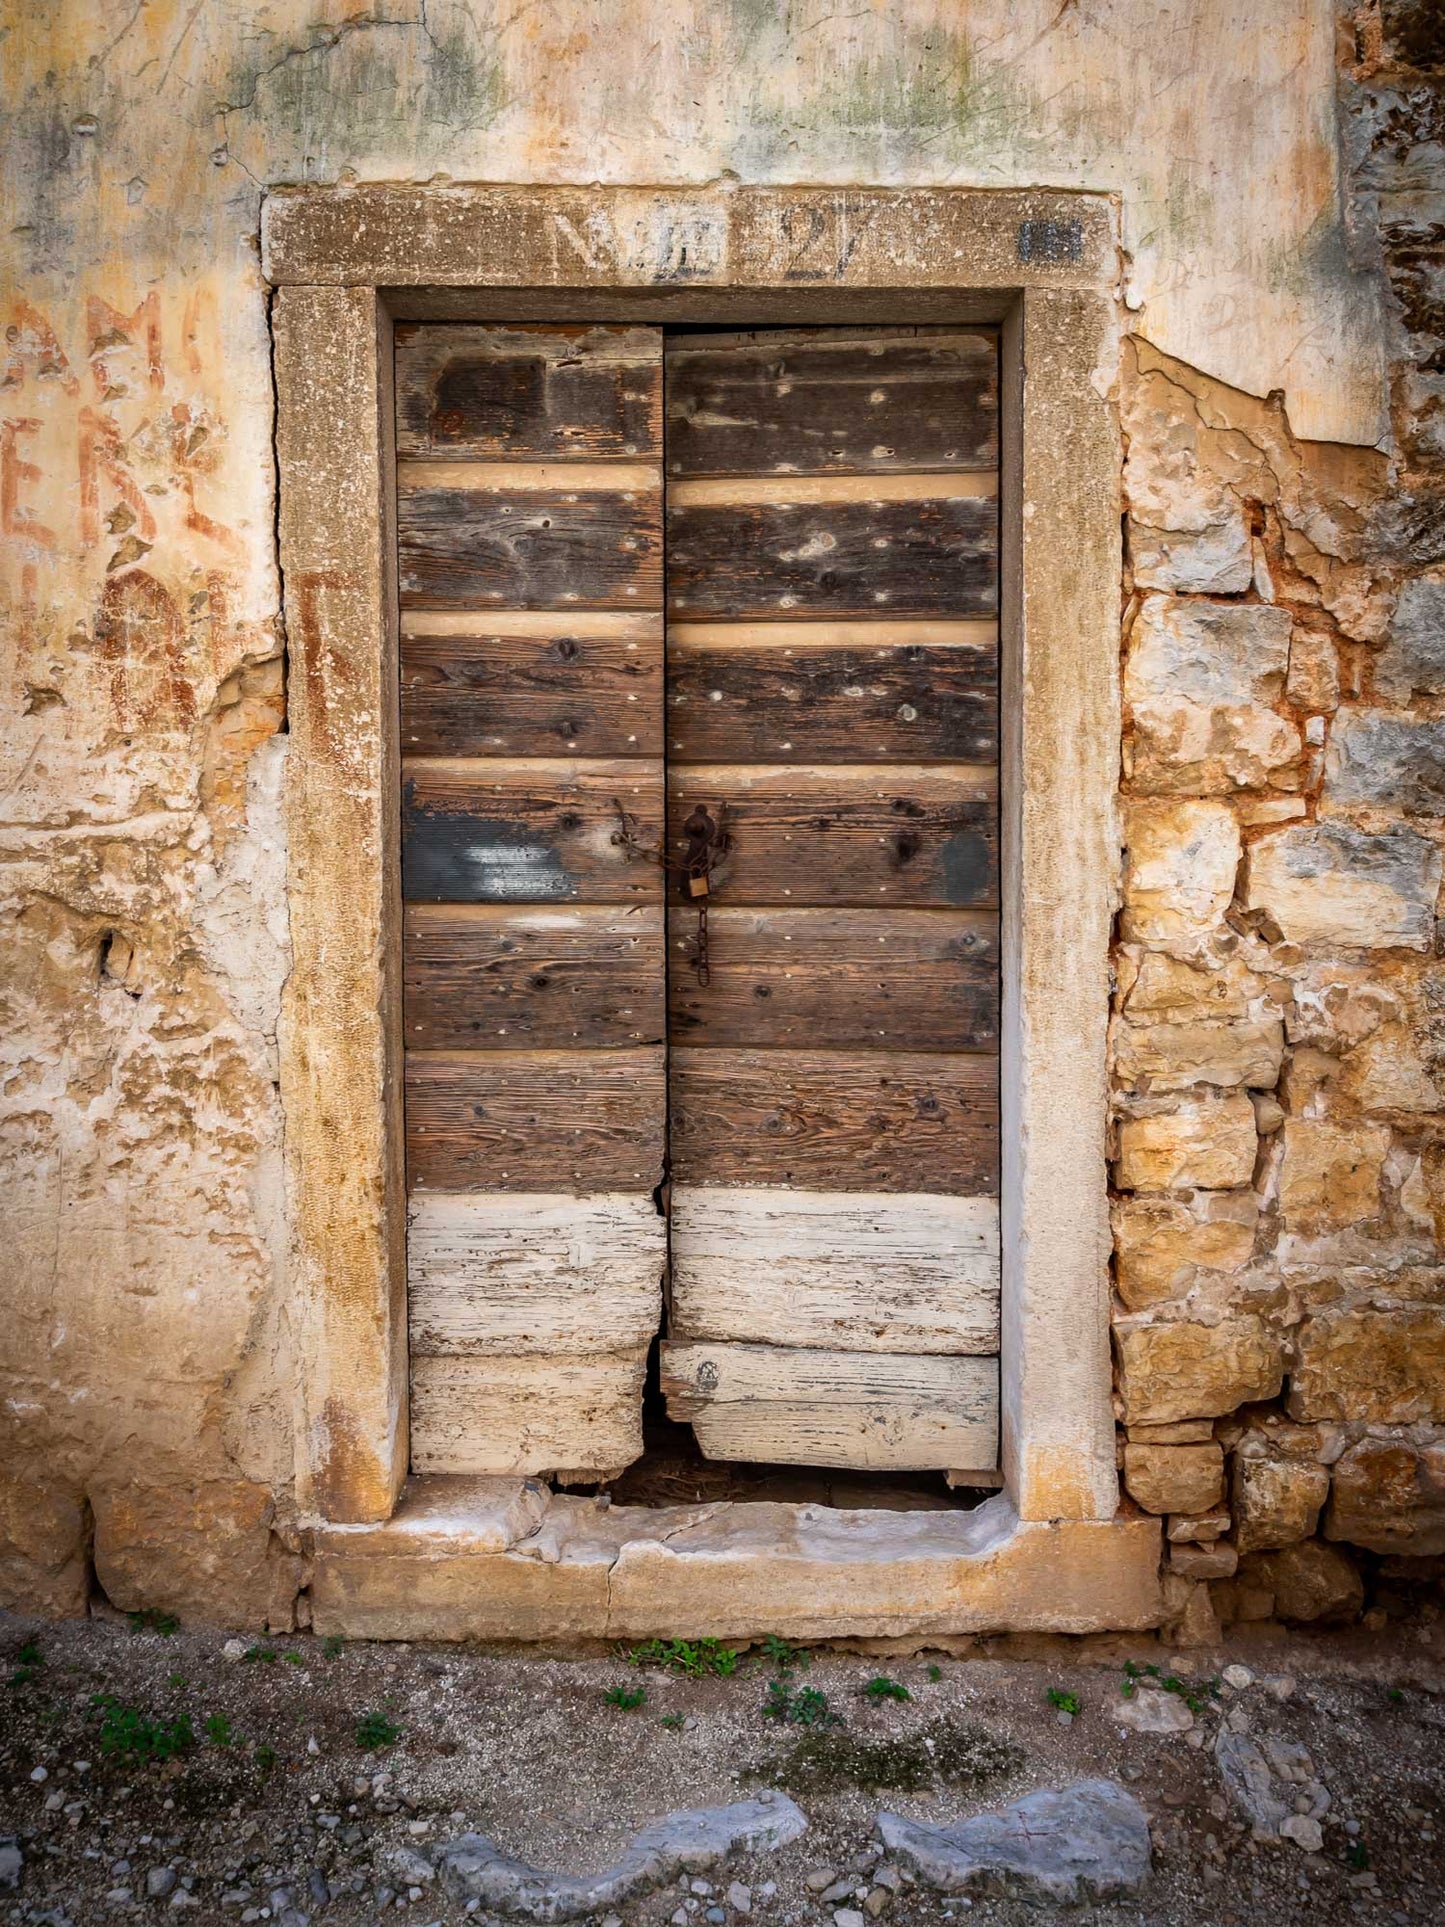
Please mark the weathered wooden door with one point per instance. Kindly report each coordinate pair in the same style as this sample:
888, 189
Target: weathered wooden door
832, 705
822, 1083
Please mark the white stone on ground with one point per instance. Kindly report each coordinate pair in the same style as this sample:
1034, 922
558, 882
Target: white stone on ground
1153, 1711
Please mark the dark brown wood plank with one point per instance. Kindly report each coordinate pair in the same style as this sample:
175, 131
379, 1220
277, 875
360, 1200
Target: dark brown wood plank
497, 692
495, 977
528, 548
833, 400
529, 831
834, 1120
915, 980
933, 556
826, 702
875, 834
499, 392
534, 1120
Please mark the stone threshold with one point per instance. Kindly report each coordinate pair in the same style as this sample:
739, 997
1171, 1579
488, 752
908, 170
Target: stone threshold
505, 1559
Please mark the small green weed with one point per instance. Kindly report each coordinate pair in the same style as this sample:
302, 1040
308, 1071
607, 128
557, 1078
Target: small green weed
375, 1731
293, 1659
1358, 1855
803, 1706
218, 1729
1196, 1697
959, 1755
129, 1734
265, 1758
30, 1664
782, 1657
1395, 1696
178, 1680
333, 1646
673, 1721
263, 1655
150, 1619
880, 1687
627, 1698
1063, 1702
935, 1673
696, 1657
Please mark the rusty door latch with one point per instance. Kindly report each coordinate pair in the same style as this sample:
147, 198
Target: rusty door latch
706, 842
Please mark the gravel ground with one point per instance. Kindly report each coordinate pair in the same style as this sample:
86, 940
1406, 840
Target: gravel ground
277, 1809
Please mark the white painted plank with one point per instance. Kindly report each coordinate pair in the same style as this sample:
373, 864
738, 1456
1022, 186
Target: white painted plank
532, 1415
766, 1404
499, 1272
844, 1270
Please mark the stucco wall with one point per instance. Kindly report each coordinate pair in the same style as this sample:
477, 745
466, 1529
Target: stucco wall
1281, 400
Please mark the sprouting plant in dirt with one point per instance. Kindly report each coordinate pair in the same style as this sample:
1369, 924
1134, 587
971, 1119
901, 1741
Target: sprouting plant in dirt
265, 1655
1063, 1702
1395, 1696
1195, 1697
218, 1729
783, 1657
626, 1698
150, 1619
698, 1658
333, 1646
265, 1758
801, 1706
943, 1752
129, 1734
30, 1663
880, 1687
935, 1673
1358, 1855
673, 1721
374, 1731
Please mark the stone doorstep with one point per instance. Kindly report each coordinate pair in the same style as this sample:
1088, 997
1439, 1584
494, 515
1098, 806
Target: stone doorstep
467, 1558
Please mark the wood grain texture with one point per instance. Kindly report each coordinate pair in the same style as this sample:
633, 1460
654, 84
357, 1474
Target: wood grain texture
760, 1403
527, 1415
831, 1271
565, 1121
835, 1120
498, 977
526, 548
501, 691
934, 557
865, 834
492, 1272
534, 393
919, 980
814, 702
810, 400
531, 830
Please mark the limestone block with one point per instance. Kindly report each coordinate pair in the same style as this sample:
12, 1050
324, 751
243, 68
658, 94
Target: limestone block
1412, 661
1334, 884
1213, 559
1217, 1561
1187, 1431
1200, 681
1310, 1581
1161, 1245
1192, 1370
1386, 761
44, 1563
1180, 864
1314, 671
1169, 988
1203, 1530
1205, 1142
1174, 1478
1385, 1367
1388, 1495
209, 1552
1171, 1057
1387, 1073
1330, 1173
1275, 1501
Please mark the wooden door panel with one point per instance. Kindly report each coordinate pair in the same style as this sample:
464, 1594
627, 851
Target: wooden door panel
576, 1418
876, 1412
548, 685
916, 980
531, 394
529, 830
870, 834
503, 977
807, 400
830, 1120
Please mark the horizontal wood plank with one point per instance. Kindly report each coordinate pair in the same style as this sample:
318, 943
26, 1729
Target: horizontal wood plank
821, 399
918, 980
527, 831
536, 393
936, 557
564, 1121
760, 1403
503, 977
867, 834
497, 692
841, 1271
526, 548
532, 1415
492, 1272
814, 491
815, 702
828, 1120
